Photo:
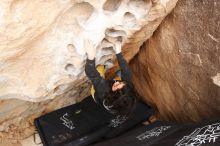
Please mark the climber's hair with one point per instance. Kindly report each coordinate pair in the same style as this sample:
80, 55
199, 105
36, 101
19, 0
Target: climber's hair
121, 101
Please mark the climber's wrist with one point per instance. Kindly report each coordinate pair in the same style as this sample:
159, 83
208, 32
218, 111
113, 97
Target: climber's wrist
90, 57
117, 48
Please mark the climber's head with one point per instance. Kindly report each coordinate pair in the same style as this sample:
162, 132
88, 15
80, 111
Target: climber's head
121, 99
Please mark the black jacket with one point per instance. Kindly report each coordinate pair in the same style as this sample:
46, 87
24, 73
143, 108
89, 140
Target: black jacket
100, 84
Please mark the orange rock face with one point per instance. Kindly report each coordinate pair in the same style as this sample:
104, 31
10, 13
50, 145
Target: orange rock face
177, 70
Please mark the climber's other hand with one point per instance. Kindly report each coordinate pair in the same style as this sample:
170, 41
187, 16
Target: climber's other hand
90, 49
117, 47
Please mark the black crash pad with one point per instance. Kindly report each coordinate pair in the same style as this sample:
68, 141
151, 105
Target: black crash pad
205, 133
85, 123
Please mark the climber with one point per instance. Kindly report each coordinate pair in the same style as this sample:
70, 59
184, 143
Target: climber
116, 96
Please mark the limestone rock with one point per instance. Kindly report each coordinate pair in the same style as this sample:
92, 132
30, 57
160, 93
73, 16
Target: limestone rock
178, 69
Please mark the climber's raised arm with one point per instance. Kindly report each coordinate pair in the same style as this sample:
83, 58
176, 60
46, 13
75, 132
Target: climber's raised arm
90, 68
97, 80
126, 73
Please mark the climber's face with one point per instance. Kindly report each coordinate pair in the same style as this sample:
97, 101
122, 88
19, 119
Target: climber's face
117, 86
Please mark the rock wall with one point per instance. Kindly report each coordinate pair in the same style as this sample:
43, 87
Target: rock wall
178, 68
42, 56
42, 42
42, 52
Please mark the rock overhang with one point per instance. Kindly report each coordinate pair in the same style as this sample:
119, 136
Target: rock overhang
42, 42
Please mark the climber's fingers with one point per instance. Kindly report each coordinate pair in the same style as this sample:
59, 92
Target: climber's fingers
90, 49
117, 47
